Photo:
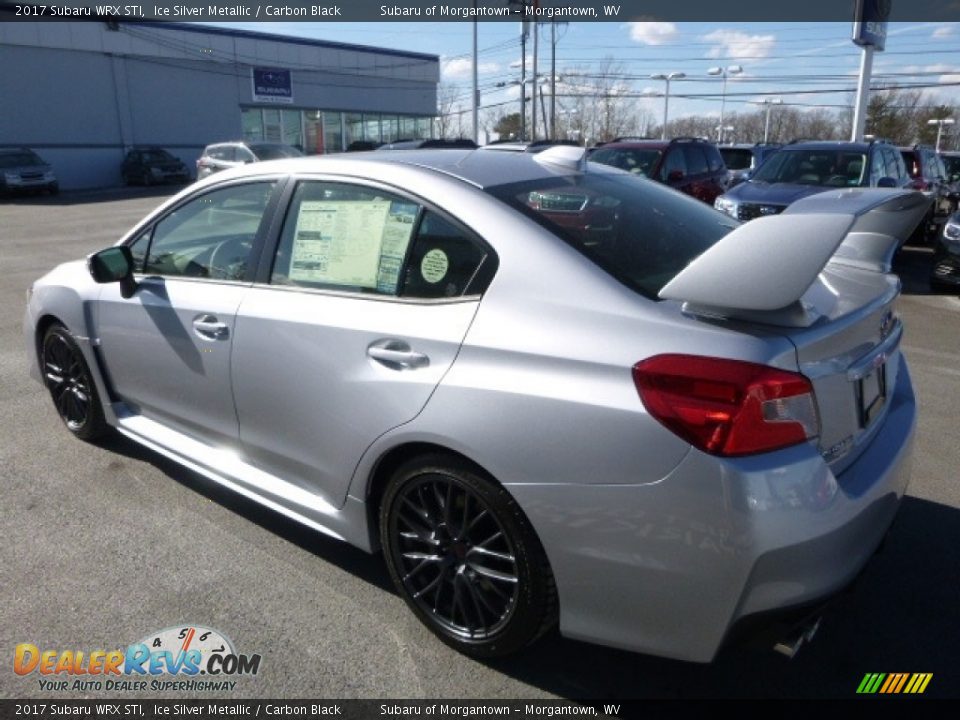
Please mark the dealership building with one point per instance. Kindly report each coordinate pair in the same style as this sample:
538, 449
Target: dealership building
81, 94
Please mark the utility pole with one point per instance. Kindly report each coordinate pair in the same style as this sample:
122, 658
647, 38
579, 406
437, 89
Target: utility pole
553, 79
476, 83
534, 85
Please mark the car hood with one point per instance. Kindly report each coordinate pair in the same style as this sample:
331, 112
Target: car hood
774, 193
25, 169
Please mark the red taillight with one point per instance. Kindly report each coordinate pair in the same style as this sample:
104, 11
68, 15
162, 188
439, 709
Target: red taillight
727, 407
920, 183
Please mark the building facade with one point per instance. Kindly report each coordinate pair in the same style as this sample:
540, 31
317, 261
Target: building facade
81, 94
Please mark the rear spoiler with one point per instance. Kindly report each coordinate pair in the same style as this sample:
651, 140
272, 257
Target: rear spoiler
762, 269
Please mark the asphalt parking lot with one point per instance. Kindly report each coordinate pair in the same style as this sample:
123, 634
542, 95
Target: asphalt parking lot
106, 544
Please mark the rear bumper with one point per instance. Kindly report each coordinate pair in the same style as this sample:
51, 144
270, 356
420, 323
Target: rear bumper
668, 568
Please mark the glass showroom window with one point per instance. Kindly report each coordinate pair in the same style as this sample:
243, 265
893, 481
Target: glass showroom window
252, 121
354, 128
389, 128
332, 132
292, 128
371, 127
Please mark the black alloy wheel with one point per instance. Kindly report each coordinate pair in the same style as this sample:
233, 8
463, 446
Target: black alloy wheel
465, 559
67, 377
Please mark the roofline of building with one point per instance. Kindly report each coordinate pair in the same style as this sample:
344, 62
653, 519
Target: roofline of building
290, 40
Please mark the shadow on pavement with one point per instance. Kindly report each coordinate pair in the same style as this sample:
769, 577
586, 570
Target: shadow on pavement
902, 615
87, 197
365, 566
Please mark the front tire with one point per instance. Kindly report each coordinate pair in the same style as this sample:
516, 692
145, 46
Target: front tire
464, 557
71, 386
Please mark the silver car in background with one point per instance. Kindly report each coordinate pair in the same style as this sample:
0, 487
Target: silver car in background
549, 391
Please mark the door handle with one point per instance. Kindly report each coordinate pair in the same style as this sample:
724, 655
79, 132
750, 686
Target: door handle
209, 328
397, 355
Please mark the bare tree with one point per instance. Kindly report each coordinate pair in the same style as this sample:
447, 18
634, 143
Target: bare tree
596, 105
448, 119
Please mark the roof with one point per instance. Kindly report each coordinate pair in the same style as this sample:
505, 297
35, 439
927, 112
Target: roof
477, 167
831, 145
286, 39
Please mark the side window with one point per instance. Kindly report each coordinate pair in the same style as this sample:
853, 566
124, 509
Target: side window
696, 160
714, 159
344, 237
222, 152
243, 155
894, 162
878, 165
138, 248
210, 236
446, 262
672, 162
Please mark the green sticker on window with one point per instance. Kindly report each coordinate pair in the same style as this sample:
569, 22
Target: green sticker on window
434, 266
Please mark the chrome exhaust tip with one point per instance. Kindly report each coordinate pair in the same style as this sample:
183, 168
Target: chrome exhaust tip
804, 633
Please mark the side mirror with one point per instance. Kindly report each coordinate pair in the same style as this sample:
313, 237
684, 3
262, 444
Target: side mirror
115, 264
675, 176
886, 182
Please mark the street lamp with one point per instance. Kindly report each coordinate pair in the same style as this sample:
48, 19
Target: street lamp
940, 122
666, 96
724, 72
769, 102
722, 130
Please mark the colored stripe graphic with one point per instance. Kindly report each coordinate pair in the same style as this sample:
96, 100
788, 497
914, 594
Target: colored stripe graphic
894, 683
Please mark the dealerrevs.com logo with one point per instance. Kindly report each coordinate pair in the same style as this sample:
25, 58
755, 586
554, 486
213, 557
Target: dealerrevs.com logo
198, 658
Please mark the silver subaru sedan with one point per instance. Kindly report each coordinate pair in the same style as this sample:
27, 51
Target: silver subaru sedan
548, 391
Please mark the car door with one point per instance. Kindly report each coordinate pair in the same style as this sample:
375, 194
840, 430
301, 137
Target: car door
167, 348
368, 301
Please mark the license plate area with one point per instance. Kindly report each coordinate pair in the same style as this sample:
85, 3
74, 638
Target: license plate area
871, 391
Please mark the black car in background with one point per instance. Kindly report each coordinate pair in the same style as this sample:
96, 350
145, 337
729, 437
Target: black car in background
22, 170
945, 274
692, 165
152, 165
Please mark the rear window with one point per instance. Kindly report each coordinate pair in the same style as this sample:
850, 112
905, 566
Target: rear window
274, 152
638, 162
641, 233
19, 159
737, 158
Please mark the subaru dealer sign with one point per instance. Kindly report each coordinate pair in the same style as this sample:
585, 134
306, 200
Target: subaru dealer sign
272, 85
870, 22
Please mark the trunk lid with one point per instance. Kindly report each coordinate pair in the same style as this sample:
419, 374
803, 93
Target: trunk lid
819, 275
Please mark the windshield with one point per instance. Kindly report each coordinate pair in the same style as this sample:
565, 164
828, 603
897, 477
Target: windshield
952, 165
274, 152
20, 159
830, 168
638, 162
736, 158
153, 156
638, 231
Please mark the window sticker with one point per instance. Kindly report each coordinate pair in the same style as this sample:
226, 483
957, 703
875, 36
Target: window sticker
396, 237
434, 266
354, 243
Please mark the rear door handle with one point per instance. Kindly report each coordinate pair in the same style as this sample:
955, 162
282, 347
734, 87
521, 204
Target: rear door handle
397, 355
209, 328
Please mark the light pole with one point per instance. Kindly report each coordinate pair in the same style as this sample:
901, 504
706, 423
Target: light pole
666, 96
769, 102
724, 72
940, 122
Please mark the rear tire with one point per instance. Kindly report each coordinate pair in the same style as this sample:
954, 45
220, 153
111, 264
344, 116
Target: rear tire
464, 557
70, 383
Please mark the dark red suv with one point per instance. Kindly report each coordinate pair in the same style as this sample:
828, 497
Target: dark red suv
691, 165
